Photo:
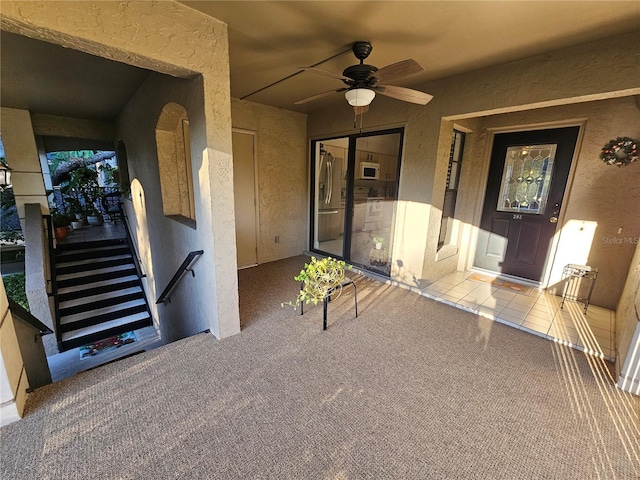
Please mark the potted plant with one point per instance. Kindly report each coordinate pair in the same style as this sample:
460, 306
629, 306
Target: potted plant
75, 211
75, 207
83, 182
61, 223
378, 242
378, 255
320, 277
94, 217
77, 224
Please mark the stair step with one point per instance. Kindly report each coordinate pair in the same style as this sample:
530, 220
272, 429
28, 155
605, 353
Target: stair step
99, 291
102, 314
91, 276
80, 337
88, 245
96, 288
95, 302
75, 255
109, 307
91, 261
80, 332
92, 265
101, 319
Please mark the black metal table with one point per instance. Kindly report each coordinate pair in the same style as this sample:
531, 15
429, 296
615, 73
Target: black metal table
574, 276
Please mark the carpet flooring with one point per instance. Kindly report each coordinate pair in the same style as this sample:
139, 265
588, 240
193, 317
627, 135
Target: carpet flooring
411, 389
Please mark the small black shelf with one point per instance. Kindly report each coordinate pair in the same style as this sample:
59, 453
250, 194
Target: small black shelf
575, 288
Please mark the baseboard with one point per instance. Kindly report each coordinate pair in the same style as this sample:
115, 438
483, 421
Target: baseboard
631, 385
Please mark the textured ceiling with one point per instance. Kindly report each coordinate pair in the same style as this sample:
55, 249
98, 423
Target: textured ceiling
268, 41
47, 78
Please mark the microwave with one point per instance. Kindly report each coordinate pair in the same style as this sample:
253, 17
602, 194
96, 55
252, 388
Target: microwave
369, 171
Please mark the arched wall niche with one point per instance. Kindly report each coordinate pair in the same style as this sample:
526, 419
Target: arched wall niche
174, 162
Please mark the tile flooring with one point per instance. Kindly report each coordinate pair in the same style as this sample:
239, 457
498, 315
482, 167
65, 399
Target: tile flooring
88, 233
535, 312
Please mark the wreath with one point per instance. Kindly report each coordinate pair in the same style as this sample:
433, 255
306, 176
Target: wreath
621, 151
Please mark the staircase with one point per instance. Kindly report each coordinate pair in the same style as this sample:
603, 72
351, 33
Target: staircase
99, 292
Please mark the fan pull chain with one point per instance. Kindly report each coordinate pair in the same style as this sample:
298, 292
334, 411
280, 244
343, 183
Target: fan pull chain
355, 118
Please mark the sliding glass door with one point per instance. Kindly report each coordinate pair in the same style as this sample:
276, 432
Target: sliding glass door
355, 192
331, 162
375, 195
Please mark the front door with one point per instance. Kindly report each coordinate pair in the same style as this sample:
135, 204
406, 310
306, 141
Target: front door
527, 177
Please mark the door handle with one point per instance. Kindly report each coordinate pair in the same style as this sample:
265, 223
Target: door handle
554, 213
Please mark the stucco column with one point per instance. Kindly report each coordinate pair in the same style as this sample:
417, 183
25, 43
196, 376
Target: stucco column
22, 157
13, 380
138, 33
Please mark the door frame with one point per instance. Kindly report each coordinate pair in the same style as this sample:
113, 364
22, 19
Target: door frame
254, 134
480, 197
351, 159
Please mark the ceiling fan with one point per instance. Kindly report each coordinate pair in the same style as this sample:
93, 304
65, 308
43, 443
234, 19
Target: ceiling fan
364, 81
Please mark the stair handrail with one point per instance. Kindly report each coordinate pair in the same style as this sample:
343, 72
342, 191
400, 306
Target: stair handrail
53, 280
132, 245
18, 311
182, 269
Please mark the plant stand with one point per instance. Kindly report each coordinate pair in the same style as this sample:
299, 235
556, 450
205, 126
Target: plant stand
327, 299
574, 276
378, 257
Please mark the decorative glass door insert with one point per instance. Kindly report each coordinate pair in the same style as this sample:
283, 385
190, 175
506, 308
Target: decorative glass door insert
526, 178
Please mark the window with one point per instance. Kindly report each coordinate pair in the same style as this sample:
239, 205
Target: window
526, 178
451, 190
174, 162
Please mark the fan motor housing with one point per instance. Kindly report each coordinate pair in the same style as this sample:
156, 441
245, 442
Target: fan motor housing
360, 74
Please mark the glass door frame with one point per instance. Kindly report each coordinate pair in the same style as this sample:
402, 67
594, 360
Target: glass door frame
349, 200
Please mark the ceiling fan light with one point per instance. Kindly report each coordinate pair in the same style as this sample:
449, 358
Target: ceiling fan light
359, 97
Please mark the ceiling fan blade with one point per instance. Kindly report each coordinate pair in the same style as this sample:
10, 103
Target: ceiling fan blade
319, 95
398, 70
404, 94
338, 76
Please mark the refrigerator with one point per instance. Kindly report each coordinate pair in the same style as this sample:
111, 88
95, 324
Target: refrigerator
330, 201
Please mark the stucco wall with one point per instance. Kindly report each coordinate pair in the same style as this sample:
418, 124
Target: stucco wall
56, 126
163, 243
37, 272
281, 140
577, 77
13, 378
601, 199
628, 329
169, 38
22, 157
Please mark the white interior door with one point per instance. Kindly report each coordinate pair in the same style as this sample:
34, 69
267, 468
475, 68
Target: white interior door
244, 187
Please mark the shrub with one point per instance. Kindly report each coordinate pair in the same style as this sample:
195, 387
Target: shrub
14, 284
319, 277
